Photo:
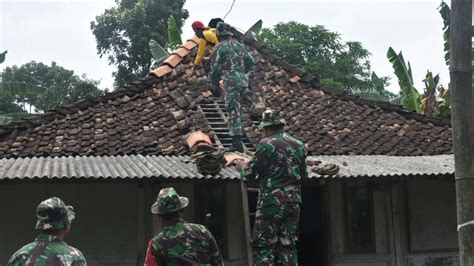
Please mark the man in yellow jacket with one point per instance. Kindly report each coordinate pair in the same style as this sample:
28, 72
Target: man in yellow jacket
207, 39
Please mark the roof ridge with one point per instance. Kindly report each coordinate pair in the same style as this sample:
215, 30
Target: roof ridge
299, 74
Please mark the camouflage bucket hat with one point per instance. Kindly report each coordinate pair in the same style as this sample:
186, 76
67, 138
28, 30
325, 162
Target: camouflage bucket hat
270, 118
169, 201
54, 214
224, 29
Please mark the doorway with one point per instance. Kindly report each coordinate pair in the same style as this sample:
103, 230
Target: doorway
311, 244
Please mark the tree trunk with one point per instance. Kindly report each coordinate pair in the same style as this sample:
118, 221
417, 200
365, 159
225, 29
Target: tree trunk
463, 124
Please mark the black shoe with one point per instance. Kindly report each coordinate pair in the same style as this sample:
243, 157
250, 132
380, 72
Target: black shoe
236, 145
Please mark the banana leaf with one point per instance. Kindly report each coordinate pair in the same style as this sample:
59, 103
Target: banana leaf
255, 29
444, 11
408, 93
174, 33
2, 56
157, 51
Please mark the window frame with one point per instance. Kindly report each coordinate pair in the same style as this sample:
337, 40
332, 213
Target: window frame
350, 249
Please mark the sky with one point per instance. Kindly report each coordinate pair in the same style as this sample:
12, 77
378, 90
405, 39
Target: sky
59, 30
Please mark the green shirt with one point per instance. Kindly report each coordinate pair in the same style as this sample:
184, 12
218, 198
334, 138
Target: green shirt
47, 250
279, 164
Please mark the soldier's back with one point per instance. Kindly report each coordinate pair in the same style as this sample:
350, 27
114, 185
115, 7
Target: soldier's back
186, 244
47, 251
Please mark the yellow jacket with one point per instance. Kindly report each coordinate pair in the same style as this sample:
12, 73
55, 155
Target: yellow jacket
209, 40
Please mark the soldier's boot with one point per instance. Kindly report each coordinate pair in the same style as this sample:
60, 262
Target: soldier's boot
236, 144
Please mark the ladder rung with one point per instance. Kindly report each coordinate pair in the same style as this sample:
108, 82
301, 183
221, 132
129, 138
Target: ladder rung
251, 189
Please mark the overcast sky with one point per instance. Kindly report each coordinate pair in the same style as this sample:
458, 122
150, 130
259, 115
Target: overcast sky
59, 30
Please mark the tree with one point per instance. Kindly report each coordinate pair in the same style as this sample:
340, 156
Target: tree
409, 96
43, 87
344, 65
123, 32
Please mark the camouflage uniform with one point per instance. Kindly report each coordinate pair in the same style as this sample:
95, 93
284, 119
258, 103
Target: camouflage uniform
52, 214
231, 62
180, 243
279, 163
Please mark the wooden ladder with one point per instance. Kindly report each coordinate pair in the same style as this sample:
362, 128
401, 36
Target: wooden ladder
247, 217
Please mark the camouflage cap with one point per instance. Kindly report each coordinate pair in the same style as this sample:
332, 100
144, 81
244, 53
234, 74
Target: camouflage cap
169, 201
223, 29
270, 118
54, 214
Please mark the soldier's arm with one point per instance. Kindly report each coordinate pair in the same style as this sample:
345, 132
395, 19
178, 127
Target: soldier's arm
304, 167
258, 163
150, 259
214, 253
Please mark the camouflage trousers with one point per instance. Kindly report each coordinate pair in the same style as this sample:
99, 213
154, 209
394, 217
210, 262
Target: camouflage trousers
233, 97
275, 233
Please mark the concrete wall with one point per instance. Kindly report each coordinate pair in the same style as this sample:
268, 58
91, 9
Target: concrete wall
432, 215
106, 227
432, 236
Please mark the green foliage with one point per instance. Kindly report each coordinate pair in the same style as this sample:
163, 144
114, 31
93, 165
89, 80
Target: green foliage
378, 91
123, 32
2, 56
444, 108
174, 33
254, 31
408, 93
43, 87
429, 103
445, 14
157, 51
6, 118
345, 65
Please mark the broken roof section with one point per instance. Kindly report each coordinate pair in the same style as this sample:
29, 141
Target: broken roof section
152, 116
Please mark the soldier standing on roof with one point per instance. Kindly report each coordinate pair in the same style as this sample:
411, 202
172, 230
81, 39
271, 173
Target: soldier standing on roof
49, 248
280, 164
180, 243
207, 39
231, 62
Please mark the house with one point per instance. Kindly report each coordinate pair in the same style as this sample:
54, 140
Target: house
392, 203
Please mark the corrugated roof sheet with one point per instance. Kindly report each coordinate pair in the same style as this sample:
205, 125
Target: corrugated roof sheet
384, 166
139, 166
128, 166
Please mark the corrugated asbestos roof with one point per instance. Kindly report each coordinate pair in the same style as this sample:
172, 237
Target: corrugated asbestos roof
128, 166
139, 166
384, 166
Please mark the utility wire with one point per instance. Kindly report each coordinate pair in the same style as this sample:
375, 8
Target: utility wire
233, 2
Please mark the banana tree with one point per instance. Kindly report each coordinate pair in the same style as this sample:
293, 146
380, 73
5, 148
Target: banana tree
255, 29
409, 96
174, 33
445, 14
429, 103
174, 40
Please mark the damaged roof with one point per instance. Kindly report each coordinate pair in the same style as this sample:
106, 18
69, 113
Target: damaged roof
152, 116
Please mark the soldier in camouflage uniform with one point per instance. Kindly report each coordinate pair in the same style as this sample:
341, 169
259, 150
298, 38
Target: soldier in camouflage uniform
54, 221
231, 62
179, 243
280, 164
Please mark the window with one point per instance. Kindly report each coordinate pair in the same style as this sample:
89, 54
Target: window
359, 219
